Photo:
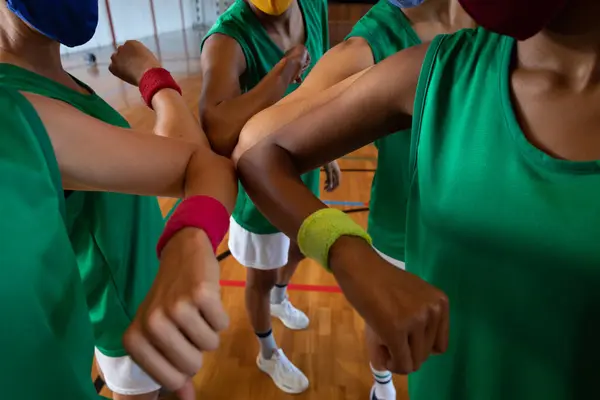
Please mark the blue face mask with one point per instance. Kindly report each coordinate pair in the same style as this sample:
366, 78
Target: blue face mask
70, 22
406, 3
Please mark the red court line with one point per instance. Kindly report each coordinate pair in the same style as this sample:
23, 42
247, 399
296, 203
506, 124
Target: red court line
292, 286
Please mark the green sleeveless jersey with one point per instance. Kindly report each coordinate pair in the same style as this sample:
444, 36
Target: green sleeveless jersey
46, 340
387, 30
262, 54
508, 232
114, 235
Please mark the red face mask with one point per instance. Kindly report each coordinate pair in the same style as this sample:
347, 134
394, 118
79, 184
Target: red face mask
520, 19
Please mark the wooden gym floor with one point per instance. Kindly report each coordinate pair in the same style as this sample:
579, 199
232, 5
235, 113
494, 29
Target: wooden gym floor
331, 352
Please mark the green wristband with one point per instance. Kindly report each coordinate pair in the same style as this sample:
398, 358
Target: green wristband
322, 229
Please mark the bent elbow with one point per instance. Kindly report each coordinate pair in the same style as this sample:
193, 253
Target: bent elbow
219, 132
211, 174
247, 161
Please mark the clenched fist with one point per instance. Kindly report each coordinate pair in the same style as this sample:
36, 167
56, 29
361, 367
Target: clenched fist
298, 59
408, 315
182, 314
131, 61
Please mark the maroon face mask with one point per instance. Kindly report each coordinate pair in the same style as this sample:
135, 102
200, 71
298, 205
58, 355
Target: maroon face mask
520, 19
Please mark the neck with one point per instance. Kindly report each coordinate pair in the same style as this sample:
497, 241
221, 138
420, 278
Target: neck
23, 46
447, 12
569, 47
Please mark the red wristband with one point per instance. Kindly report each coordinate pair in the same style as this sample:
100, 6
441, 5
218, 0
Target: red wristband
156, 79
202, 212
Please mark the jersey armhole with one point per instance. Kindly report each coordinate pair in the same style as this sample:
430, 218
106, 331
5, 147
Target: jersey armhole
325, 26
45, 145
247, 54
420, 99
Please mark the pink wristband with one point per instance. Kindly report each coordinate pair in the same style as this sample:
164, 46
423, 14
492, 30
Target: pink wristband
202, 212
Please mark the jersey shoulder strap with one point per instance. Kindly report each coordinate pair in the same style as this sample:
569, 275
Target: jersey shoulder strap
455, 69
19, 117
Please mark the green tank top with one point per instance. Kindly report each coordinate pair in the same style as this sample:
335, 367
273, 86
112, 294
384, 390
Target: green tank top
387, 30
46, 340
261, 53
114, 235
508, 232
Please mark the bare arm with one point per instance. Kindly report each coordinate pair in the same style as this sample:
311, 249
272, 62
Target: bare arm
378, 103
223, 108
335, 72
275, 117
93, 154
174, 119
342, 61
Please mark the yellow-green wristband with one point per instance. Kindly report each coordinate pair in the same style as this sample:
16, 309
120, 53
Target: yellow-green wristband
322, 229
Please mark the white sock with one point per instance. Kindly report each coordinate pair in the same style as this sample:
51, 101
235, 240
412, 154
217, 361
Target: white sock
384, 385
278, 294
267, 344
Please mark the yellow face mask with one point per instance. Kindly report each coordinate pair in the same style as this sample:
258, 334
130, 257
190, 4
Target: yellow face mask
272, 7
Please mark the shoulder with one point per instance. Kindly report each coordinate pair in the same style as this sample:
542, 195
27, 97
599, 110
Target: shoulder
25, 138
467, 47
386, 30
318, 9
15, 109
222, 53
381, 13
459, 65
232, 23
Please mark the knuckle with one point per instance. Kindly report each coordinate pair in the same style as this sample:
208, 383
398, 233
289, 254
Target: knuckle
435, 309
176, 382
155, 322
420, 319
177, 310
401, 368
200, 297
444, 300
131, 338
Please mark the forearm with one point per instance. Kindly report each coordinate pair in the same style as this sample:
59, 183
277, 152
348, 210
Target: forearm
288, 202
271, 169
283, 112
175, 120
224, 122
211, 175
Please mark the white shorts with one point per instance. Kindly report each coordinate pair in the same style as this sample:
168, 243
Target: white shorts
123, 376
252, 250
393, 261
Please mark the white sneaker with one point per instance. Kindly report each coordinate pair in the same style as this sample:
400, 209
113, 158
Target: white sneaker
290, 315
284, 374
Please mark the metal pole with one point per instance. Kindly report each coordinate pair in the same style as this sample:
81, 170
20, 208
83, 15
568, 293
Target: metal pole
111, 24
155, 30
184, 33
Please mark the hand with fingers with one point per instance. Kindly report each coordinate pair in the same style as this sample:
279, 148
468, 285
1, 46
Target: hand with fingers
295, 62
181, 316
408, 315
131, 61
333, 176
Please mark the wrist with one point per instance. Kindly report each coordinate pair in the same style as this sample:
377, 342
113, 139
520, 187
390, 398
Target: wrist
164, 97
155, 80
187, 241
344, 253
201, 212
323, 229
